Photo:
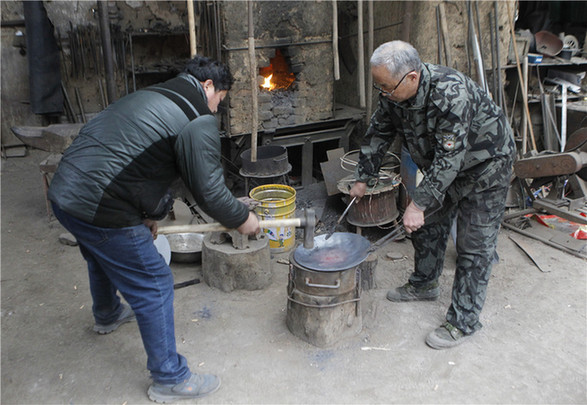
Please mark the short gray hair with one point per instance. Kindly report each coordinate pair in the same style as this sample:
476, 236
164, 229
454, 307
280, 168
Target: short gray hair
398, 57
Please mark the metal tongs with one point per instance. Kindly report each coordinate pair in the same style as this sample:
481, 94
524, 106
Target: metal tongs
333, 229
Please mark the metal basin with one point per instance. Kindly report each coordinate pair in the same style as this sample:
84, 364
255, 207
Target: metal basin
186, 247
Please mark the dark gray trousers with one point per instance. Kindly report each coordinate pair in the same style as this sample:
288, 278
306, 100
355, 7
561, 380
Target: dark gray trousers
478, 204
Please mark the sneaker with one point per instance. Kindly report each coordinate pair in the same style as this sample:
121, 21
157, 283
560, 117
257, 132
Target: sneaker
127, 315
197, 386
408, 292
446, 336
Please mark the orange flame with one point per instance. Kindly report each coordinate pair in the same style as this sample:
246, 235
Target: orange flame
267, 83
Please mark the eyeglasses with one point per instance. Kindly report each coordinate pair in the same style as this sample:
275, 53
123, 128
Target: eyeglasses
389, 93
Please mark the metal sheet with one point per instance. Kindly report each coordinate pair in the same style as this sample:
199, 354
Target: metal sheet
343, 250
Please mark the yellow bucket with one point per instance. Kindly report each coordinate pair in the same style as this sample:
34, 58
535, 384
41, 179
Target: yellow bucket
276, 201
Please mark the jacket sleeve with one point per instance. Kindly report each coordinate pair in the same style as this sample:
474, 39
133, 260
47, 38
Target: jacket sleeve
376, 142
449, 153
198, 158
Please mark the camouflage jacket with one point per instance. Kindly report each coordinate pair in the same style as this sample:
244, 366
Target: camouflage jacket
451, 128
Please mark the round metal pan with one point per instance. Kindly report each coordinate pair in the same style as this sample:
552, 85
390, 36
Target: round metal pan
186, 247
343, 250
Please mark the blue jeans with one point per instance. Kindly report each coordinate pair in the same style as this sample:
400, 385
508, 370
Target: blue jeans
125, 259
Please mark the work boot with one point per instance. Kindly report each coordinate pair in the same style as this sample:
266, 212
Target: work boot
408, 292
446, 336
126, 315
196, 386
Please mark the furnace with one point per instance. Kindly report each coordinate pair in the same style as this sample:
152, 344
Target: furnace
294, 86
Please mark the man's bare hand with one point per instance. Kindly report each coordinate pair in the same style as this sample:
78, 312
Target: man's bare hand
152, 225
413, 218
358, 190
250, 226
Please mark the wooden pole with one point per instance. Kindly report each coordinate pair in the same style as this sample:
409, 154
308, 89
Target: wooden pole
525, 116
254, 86
370, 45
407, 21
445, 38
361, 47
521, 77
192, 27
335, 40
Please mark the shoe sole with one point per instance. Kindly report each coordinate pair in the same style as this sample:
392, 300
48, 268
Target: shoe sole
165, 399
438, 344
409, 299
100, 330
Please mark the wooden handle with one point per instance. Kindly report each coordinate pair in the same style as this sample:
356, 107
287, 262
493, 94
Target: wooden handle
217, 227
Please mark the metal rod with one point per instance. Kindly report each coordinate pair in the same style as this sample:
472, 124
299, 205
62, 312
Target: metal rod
501, 97
80, 104
393, 235
438, 37
545, 241
132, 62
107, 50
346, 210
494, 71
69, 107
278, 45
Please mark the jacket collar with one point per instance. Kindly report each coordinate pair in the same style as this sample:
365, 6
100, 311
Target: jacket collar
196, 83
420, 99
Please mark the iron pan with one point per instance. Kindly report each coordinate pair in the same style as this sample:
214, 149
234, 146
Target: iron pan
343, 250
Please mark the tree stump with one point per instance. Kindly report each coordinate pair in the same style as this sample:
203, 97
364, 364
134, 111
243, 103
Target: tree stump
227, 268
368, 272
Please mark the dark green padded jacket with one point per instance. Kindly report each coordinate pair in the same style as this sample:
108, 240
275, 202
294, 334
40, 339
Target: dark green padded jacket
118, 170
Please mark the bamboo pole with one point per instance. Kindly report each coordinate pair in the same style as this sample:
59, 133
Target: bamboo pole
192, 27
335, 40
253, 68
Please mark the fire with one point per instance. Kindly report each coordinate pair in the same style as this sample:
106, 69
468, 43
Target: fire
277, 75
267, 83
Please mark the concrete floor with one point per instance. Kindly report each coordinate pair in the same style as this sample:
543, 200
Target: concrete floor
532, 349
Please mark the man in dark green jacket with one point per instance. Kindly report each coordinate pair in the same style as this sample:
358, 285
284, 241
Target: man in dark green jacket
112, 185
462, 143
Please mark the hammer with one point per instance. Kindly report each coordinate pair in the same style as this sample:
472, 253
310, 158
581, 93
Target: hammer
307, 221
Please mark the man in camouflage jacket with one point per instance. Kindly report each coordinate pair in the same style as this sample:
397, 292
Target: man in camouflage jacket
463, 145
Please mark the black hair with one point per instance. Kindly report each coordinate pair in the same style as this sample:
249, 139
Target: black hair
203, 68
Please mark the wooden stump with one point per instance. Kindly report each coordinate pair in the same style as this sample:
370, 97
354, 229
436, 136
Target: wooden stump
228, 269
368, 272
